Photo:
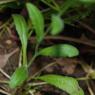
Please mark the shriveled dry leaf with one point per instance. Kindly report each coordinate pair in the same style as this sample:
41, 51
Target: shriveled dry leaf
4, 58
69, 65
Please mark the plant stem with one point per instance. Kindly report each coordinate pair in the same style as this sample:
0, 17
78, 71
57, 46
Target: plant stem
56, 5
36, 84
83, 78
24, 55
37, 46
51, 6
67, 4
36, 52
47, 66
32, 59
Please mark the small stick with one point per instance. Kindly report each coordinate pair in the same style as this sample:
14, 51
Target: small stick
89, 88
3, 82
37, 73
4, 73
86, 26
65, 38
4, 92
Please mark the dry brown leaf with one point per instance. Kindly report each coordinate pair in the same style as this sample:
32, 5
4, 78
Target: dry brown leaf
68, 65
4, 58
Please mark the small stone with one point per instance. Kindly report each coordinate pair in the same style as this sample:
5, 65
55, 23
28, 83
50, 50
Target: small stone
8, 42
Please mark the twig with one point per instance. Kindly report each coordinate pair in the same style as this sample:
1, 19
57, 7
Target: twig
3, 82
36, 84
4, 73
85, 42
32, 92
86, 26
37, 73
89, 88
4, 92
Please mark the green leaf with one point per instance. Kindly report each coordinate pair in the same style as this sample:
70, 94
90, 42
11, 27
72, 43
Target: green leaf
18, 77
57, 24
61, 50
37, 20
21, 28
68, 84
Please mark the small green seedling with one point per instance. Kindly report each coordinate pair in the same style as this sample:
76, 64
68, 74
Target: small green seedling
68, 84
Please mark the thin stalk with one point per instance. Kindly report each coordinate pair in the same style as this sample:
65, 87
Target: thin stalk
89, 88
67, 4
36, 53
50, 5
37, 84
56, 5
83, 78
47, 66
37, 73
24, 55
36, 48
32, 59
